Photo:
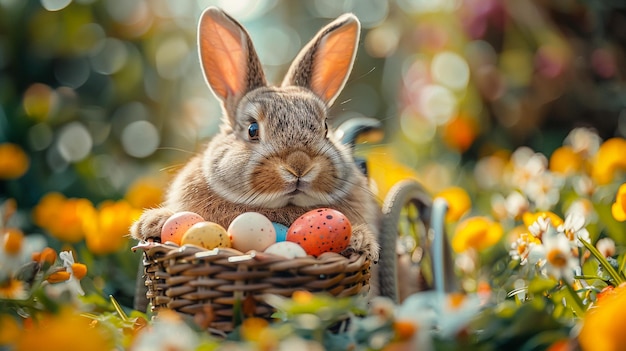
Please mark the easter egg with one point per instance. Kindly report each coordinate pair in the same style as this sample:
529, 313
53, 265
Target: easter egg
208, 235
281, 231
321, 230
177, 224
286, 249
251, 231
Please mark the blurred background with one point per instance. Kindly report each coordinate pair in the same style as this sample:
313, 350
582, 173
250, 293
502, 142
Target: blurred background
101, 100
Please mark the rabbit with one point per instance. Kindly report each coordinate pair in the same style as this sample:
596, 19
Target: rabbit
274, 153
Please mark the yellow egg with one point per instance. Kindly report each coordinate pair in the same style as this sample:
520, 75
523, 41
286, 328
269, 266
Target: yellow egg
208, 235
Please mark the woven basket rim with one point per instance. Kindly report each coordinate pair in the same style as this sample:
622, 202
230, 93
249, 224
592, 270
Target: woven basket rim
188, 278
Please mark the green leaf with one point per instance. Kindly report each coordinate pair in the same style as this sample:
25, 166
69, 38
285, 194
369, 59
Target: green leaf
541, 285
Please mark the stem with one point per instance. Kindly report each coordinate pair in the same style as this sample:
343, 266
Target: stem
578, 306
118, 309
617, 278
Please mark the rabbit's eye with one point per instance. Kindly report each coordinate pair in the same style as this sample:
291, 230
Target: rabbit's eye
326, 128
253, 131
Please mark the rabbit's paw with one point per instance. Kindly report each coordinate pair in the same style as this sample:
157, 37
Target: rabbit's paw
363, 241
148, 226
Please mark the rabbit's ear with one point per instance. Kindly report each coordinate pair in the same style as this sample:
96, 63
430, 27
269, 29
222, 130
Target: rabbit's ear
324, 64
229, 61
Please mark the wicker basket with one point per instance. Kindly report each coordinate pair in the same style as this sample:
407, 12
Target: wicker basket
187, 279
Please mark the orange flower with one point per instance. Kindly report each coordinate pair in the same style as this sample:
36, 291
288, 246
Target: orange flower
565, 160
458, 202
476, 233
47, 210
13, 239
618, 209
9, 330
47, 256
459, 133
62, 217
13, 161
106, 229
66, 331
600, 331
608, 160
58, 277
405, 329
302, 297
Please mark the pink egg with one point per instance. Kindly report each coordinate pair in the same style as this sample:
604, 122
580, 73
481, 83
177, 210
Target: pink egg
321, 230
175, 227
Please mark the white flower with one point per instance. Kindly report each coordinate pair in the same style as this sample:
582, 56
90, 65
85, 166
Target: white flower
12, 262
522, 247
584, 185
544, 190
168, 333
574, 229
540, 227
537, 255
583, 207
527, 165
73, 284
606, 246
516, 204
584, 141
560, 262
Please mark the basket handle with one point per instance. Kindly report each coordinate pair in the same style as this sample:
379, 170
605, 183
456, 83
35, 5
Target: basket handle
443, 264
432, 217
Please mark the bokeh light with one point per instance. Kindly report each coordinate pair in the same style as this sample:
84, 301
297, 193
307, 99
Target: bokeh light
55, 5
74, 142
140, 139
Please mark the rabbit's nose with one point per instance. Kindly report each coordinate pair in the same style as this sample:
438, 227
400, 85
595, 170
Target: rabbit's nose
298, 163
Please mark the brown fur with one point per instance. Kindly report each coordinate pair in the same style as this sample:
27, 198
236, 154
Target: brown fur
295, 165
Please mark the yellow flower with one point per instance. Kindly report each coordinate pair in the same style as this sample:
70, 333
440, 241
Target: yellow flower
66, 331
13, 161
565, 160
458, 202
476, 233
608, 160
106, 229
385, 171
145, 193
618, 209
530, 218
600, 331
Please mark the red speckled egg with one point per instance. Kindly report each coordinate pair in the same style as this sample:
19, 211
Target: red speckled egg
321, 230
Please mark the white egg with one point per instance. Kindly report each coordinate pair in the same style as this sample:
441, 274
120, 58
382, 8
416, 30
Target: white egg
251, 231
286, 249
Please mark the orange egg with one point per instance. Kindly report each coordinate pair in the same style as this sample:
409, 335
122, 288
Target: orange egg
175, 227
321, 230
